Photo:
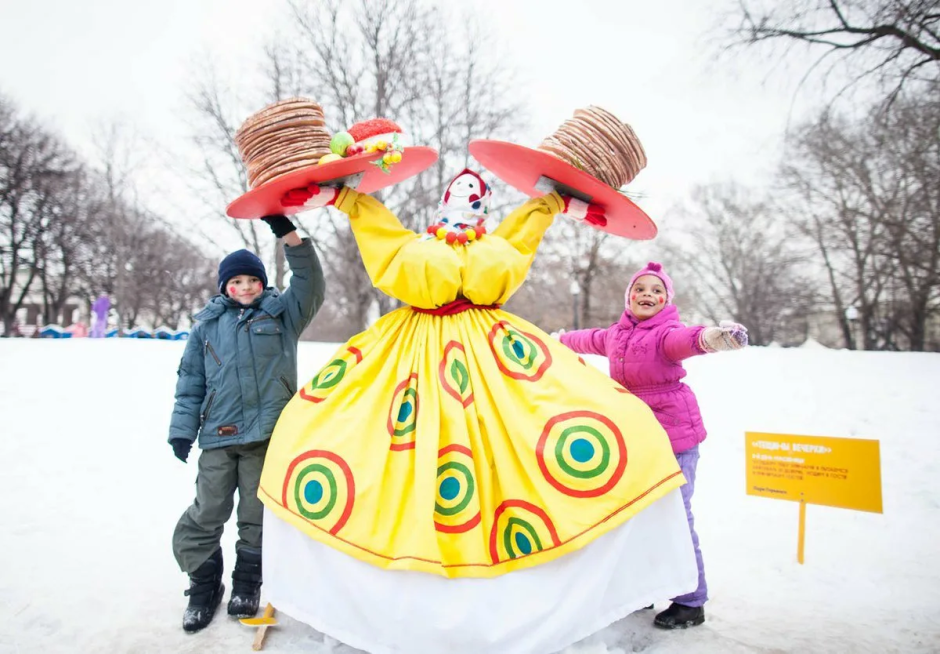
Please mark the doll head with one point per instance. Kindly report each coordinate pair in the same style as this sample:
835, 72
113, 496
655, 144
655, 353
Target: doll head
463, 208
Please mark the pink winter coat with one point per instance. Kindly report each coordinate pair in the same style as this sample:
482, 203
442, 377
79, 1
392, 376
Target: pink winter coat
646, 357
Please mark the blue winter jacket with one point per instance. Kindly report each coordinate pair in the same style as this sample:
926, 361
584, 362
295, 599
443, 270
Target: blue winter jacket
239, 368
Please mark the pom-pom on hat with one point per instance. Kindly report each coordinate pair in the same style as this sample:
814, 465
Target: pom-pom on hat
241, 262
655, 269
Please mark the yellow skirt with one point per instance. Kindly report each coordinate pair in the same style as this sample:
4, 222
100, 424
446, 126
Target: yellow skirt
467, 445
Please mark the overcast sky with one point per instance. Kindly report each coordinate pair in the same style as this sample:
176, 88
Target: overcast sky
651, 63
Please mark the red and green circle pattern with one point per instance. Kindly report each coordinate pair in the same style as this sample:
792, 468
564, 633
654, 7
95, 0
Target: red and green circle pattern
519, 355
454, 373
581, 453
331, 375
402, 420
457, 506
520, 529
319, 487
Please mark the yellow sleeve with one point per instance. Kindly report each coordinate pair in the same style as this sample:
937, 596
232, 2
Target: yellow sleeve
420, 273
525, 226
498, 265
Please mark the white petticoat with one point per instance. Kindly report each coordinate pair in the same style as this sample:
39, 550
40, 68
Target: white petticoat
533, 611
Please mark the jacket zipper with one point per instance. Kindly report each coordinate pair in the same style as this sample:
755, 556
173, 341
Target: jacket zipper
254, 320
212, 352
205, 414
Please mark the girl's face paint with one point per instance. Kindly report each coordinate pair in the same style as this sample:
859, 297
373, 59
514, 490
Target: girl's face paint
662, 300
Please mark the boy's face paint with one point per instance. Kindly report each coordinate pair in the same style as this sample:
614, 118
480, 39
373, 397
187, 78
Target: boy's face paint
647, 297
244, 289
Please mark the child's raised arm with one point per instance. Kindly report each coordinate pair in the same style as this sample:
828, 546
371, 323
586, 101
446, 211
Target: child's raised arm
304, 296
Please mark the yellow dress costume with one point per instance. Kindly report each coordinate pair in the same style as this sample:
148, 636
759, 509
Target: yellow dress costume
466, 446
470, 444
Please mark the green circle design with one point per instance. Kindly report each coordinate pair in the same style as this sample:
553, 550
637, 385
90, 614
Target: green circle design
574, 472
332, 381
507, 536
315, 515
460, 375
468, 495
410, 427
530, 354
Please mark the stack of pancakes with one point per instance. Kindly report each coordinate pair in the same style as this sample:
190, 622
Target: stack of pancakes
595, 141
281, 138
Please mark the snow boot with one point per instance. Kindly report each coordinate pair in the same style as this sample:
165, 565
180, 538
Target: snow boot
679, 616
246, 584
205, 592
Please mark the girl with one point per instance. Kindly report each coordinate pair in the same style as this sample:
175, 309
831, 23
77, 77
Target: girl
646, 349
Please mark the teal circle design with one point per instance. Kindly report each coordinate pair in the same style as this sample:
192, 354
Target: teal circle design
301, 488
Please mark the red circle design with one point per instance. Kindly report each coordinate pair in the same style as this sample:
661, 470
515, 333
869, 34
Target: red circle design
618, 471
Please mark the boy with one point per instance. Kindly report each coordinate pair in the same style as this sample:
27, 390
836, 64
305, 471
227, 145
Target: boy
237, 373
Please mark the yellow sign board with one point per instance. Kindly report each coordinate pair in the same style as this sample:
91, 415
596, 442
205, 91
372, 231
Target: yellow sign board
840, 472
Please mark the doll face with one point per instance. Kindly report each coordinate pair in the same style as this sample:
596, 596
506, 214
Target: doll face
465, 192
647, 296
244, 289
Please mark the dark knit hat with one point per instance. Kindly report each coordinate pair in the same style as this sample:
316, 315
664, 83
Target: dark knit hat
241, 262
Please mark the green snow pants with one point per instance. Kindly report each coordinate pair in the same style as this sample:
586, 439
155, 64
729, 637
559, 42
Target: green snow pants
221, 471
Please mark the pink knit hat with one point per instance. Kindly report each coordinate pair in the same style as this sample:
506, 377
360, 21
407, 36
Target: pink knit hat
655, 269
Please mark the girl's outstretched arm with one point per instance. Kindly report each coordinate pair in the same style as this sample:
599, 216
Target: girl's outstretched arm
586, 341
682, 342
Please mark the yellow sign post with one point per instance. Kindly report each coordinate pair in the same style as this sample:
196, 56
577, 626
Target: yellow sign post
839, 472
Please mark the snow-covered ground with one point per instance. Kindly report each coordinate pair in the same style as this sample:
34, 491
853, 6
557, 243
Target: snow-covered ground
90, 493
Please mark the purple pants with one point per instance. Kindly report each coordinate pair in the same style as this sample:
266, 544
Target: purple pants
688, 461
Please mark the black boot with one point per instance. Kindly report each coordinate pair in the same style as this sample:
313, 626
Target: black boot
679, 616
205, 592
246, 584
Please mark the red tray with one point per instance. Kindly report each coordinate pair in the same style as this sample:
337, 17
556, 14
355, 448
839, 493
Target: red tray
523, 167
265, 200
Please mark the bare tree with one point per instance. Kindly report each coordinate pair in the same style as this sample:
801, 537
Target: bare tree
868, 192
738, 264
218, 176
396, 59
584, 271
34, 165
895, 42
63, 244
